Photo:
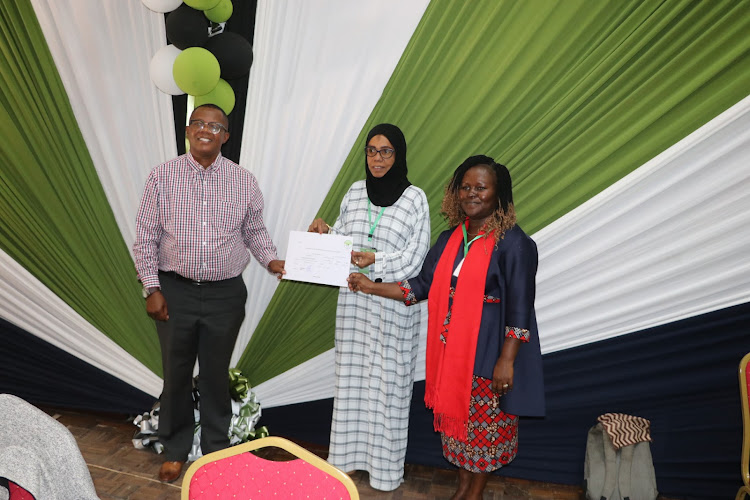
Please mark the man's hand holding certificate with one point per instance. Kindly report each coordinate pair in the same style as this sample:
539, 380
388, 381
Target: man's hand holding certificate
318, 258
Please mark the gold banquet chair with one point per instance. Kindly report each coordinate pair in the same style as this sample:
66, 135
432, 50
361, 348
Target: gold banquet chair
745, 401
236, 473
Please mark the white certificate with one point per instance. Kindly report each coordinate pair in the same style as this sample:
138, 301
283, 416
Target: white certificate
318, 258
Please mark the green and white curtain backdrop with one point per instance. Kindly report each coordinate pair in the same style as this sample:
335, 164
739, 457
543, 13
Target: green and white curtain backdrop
95, 55
592, 105
81, 124
625, 125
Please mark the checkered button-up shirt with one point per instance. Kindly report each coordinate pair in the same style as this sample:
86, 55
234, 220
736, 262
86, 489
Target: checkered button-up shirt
200, 222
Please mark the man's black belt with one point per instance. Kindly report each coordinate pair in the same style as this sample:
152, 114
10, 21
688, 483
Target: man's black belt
180, 277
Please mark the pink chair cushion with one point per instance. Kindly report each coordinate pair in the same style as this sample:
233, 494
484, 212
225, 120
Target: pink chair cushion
18, 493
248, 476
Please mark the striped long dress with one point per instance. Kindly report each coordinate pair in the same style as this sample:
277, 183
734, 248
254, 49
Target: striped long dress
376, 340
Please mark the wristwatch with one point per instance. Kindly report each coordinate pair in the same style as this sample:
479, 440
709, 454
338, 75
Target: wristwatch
149, 291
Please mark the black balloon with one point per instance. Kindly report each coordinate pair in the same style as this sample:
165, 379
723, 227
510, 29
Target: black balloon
187, 27
234, 53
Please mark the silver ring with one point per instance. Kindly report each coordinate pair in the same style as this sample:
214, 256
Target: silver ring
505, 386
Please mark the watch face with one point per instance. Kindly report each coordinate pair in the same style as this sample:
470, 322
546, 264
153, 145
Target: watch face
145, 292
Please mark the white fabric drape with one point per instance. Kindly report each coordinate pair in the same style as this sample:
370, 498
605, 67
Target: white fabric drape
33, 307
102, 51
318, 70
667, 242
309, 381
314, 378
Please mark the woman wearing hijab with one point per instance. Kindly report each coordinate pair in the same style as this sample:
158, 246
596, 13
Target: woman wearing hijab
376, 339
484, 364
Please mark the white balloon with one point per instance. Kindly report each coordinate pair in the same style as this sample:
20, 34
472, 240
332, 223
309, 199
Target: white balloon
160, 70
162, 6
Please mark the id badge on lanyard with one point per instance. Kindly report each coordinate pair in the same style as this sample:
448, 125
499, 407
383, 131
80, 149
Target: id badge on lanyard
458, 268
373, 225
467, 245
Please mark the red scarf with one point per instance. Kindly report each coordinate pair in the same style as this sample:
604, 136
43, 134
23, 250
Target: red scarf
450, 366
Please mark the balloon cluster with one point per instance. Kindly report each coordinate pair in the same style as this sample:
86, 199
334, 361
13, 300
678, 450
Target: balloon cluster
201, 56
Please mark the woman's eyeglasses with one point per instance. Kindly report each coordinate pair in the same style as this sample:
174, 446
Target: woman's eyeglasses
212, 127
385, 153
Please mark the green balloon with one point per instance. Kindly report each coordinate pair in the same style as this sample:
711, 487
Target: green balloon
196, 71
201, 4
221, 12
222, 95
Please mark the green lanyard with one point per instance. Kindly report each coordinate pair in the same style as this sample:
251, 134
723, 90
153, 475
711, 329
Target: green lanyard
467, 243
369, 219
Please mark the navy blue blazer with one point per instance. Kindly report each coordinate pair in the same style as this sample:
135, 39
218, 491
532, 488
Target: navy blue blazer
511, 277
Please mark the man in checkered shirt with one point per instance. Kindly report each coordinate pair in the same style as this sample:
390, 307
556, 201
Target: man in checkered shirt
199, 215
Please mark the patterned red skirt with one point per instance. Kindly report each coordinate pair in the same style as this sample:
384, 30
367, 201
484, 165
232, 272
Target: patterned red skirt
493, 434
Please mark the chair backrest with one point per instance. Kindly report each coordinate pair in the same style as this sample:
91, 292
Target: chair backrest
16, 492
235, 471
745, 401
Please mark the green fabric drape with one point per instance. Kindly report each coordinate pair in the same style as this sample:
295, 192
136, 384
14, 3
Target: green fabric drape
56, 220
571, 95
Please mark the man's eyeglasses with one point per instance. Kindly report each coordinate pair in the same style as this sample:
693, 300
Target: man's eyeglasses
212, 127
385, 153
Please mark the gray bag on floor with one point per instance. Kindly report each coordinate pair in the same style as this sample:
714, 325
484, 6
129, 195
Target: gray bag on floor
612, 474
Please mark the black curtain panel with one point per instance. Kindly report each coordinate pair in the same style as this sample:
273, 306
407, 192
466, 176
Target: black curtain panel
242, 22
45, 375
682, 376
